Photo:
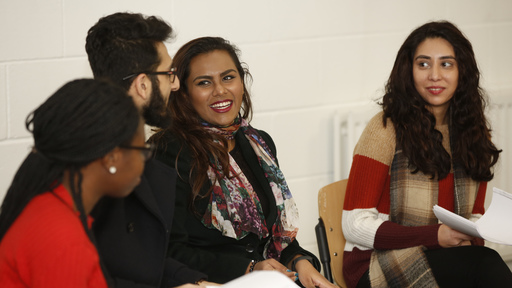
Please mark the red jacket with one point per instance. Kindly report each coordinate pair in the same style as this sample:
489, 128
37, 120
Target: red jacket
47, 247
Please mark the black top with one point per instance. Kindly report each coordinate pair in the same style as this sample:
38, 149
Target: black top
132, 233
207, 250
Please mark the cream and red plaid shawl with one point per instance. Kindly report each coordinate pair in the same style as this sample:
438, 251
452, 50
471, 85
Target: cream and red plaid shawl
412, 199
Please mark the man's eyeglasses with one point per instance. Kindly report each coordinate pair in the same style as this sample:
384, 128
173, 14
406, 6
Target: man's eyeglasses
171, 73
147, 150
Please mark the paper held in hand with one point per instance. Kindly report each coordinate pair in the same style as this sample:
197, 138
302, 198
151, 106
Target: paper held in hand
495, 225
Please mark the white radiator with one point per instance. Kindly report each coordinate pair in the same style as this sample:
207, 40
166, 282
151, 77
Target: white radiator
348, 127
500, 117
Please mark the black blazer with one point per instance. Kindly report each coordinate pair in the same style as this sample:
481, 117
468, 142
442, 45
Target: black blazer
207, 250
132, 233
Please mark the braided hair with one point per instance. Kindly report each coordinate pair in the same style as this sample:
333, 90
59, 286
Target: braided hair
81, 122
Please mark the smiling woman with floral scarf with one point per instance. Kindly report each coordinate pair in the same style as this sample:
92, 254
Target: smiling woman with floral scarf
234, 212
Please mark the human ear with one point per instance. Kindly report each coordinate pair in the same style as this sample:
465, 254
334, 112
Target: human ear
141, 89
111, 159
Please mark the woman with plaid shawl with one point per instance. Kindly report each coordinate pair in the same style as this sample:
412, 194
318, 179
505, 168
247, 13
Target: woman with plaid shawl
430, 145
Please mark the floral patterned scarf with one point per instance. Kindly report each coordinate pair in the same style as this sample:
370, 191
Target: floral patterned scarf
234, 207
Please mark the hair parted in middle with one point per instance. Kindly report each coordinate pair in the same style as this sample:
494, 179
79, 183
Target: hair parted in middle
415, 124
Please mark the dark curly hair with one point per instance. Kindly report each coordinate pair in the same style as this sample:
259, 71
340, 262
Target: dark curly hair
124, 43
415, 124
186, 121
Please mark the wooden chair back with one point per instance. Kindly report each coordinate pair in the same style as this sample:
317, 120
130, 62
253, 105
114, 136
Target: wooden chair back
330, 208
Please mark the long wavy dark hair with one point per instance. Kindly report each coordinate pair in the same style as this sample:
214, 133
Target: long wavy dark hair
415, 125
81, 122
186, 121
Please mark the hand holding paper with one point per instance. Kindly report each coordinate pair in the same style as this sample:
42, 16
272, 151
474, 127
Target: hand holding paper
495, 224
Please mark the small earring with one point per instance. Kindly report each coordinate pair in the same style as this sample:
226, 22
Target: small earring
112, 170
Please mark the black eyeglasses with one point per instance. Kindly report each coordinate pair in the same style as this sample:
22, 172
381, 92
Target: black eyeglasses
147, 150
171, 73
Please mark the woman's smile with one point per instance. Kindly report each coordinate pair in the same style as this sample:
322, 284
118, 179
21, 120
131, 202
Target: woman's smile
435, 90
222, 106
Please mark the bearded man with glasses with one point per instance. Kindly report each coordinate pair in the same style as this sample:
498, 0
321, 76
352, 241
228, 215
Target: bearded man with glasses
132, 233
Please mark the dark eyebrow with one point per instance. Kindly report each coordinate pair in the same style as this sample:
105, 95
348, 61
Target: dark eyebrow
227, 72
210, 77
202, 77
422, 57
428, 57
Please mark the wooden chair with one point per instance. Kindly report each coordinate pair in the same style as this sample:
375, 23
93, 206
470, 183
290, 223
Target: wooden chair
330, 239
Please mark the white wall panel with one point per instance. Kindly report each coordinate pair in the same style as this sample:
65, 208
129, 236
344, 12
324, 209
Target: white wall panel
238, 21
301, 139
305, 193
79, 16
12, 153
478, 12
315, 18
500, 72
30, 29
33, 82
286, 74
3, 104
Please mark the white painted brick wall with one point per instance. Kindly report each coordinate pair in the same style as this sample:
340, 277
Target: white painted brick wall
308, 58
3, 107
12, 153
30, 83
30, 29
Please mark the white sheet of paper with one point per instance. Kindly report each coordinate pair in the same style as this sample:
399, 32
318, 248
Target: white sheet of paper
258, 279
496, 225
456, 222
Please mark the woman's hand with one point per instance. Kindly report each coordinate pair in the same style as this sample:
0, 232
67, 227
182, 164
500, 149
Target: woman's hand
274, 265
310, 277
448, 237
206, 283
200, 284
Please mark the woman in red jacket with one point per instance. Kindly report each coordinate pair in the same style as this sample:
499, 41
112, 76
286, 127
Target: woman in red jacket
88, 142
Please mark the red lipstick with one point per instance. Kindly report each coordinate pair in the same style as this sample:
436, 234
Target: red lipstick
222, 106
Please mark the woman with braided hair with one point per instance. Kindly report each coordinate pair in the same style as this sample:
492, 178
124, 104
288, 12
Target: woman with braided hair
430, 145
88, 143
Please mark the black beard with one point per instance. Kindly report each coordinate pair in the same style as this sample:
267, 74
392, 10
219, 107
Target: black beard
156, 113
